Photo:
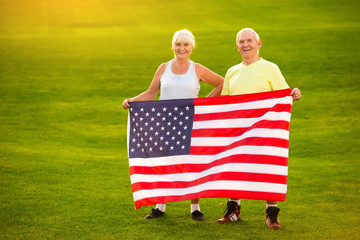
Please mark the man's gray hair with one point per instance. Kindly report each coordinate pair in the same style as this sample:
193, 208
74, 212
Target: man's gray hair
248, 29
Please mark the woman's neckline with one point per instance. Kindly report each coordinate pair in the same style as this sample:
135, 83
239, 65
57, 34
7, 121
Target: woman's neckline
187, 69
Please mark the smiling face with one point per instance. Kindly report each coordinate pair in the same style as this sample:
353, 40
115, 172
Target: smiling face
182, 50
248, 46
183, 43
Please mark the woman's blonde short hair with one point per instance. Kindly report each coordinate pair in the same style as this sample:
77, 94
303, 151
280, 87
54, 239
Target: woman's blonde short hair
183, 36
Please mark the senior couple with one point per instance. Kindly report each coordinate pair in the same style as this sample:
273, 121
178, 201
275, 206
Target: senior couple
180, 78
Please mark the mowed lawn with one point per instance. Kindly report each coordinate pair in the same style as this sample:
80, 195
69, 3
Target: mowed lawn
67, 65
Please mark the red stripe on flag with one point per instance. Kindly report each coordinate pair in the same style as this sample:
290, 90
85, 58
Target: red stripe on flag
242, 113
195, 168
223, 176
268, 196
234, 132
242, 98
252, 141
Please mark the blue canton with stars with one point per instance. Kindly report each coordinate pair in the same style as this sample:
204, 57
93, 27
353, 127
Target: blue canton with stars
160, 128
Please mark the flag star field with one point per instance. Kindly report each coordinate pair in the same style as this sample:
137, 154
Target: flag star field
160, 128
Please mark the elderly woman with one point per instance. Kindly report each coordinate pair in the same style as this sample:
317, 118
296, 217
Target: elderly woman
177, 79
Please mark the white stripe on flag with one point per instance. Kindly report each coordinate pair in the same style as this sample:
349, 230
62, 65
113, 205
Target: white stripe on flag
241, 123
204, 159
214, 185
224, 141
230, 167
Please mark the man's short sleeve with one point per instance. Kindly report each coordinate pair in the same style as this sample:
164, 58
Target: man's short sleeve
278, 81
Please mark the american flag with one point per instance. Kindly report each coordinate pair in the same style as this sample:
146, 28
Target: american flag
229, 146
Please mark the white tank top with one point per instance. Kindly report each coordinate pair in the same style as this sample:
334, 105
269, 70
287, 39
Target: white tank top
174, 86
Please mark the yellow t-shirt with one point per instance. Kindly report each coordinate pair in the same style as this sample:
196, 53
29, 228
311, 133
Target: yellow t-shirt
260, 76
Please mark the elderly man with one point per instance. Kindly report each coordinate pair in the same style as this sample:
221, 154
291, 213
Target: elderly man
253, 75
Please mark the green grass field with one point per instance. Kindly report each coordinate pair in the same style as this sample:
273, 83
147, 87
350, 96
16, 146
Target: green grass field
67, 65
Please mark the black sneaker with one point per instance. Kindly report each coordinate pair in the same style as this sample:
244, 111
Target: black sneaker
272, 219
154, 214
232, 213
197, 216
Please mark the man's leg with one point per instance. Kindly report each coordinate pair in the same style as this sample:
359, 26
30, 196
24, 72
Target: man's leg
272, 212
232, 212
